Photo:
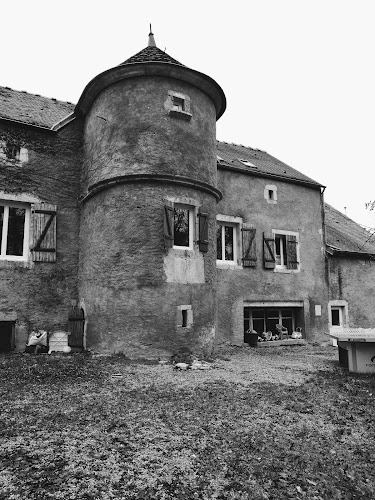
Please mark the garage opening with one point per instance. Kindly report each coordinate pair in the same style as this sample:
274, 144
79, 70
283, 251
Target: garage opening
274, 323
6, 336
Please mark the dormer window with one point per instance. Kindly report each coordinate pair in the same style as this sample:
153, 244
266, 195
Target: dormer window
178, 105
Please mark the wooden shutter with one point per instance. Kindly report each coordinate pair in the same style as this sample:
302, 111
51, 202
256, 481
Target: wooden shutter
268, 251
291, 252
203, 230
168, 224
43, 220
249, 254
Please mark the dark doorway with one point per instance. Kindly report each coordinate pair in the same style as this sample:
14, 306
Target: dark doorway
76, 327
6, 336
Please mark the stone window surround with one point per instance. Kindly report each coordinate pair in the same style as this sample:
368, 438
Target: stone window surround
192, 205
279, 269
236, 222
179, 111
270, 188
185, 316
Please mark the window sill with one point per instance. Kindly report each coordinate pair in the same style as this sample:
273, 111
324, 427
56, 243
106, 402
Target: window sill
221, 264
183, 115
285, 270
14, 263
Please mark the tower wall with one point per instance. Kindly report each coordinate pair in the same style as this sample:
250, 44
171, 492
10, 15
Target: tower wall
138, 158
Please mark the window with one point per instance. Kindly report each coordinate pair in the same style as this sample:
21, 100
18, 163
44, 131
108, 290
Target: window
270, 193
184, 316
183, 227
273, 323
178, 105
182, 230
226, 242
336, 316
13, 152
14, 231
281, 251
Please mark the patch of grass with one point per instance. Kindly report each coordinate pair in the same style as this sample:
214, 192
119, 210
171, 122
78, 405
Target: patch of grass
274, 423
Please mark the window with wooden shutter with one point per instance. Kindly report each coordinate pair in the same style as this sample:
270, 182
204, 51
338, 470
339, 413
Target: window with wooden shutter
249, 257
203, 230
291, 250
43, 220
268, 251
168, 224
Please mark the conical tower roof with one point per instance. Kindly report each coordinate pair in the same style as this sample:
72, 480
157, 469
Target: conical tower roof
151, 61
151, 54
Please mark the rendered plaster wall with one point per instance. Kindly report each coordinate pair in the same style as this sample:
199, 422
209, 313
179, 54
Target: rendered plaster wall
129, 131
298, 209
133, 291
353, 280
38, 294
132, 288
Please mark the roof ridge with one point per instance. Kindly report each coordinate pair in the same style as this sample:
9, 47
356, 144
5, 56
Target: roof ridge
241, 145
37, 95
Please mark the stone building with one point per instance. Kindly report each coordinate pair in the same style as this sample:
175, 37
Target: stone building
124, 209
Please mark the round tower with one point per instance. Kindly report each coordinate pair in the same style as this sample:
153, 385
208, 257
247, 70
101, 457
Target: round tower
148, 218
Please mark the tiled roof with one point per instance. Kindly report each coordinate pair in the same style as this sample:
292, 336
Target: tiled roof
263, 163
343, 234
151, 54
32, 109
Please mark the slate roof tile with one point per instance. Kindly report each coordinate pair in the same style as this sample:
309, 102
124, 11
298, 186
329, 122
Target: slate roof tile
263, 162
151, 54
345, 234
31, 108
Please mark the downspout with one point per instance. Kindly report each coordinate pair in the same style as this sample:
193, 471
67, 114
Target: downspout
324, 235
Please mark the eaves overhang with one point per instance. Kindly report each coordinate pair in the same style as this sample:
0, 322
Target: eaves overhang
337, 252
25, 124
122, 72
268, 175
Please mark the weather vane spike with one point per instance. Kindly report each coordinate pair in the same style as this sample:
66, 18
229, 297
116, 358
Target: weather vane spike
151, 39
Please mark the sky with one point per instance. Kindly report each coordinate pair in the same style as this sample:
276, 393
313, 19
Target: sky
298, 75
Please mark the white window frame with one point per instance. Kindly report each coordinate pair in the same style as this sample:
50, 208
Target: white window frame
236, 223
283, 267
192, 211
26, 234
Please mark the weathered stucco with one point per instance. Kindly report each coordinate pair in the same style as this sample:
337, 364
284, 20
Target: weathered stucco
298, 209
353, 280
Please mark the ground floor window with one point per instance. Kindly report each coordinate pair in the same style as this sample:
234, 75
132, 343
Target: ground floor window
273, 323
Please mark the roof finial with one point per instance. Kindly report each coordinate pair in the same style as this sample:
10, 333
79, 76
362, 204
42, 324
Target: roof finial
151, 39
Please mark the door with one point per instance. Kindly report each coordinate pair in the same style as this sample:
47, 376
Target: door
6, 336
76, 325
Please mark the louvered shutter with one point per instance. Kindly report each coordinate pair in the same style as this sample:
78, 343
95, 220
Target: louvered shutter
168, 224
268, 251
43, 221
291, 252
203, 230
249, 254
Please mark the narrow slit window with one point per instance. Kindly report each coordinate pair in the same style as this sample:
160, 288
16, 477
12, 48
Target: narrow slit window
184, 317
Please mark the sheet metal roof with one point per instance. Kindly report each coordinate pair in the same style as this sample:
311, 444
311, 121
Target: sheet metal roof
264, 163
32, 109
343, 234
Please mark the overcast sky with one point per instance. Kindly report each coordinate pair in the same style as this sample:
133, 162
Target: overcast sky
298, 75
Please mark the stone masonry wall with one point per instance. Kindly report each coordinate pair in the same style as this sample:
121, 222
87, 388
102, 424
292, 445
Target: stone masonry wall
39, 294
